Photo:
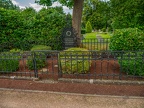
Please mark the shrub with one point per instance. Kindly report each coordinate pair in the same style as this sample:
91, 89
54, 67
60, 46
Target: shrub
104, 29
127, 39
75, 60
9, 62
37, 59
40, 47
132, 63
15, 50
88, 27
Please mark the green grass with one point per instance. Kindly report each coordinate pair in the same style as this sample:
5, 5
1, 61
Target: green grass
105, 35
94, 34
91, 35
90, 41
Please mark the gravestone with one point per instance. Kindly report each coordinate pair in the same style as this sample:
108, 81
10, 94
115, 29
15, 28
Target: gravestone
69, 38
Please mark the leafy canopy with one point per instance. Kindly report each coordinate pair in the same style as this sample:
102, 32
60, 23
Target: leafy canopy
68, 3
7, 4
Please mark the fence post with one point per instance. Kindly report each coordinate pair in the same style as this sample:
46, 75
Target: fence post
59, 65
35, 65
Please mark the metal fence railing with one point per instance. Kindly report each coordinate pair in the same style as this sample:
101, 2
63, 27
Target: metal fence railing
57, 44
114, 65
101, 44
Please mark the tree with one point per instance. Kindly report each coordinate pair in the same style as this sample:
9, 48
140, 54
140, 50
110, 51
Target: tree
77, 6
97, 12
88, 27
7, 4
127, 13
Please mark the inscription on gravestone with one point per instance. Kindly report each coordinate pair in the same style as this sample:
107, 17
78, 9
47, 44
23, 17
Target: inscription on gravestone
69, 38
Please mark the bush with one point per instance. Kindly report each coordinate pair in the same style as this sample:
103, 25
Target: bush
132, 63
40, 47
104, 29
37, 58
15, 50
88, 27
75, 60
9, 62
127, 39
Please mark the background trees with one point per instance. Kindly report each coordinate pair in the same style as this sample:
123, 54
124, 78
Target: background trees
114, 14
127, 13
97, 12
7, 4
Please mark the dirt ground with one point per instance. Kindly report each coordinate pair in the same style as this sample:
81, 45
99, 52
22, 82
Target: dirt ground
41, 99
83, 88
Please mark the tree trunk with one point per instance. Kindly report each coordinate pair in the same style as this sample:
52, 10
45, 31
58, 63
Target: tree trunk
77, 16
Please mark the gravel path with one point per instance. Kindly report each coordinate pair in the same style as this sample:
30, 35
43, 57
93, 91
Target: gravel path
42, 99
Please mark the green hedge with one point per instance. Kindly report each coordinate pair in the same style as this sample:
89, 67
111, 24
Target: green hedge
132, 63
75, 61
23, 29
127, 39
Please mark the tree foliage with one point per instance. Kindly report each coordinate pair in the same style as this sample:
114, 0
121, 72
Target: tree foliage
117, 14
77, 6
88, 27
97, 12
7, 4
127, 13
68, 3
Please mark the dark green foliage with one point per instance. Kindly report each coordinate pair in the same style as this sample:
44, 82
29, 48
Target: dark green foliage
25, 29
104, 29
7, 4
127, 13
75, 61
88, 27
127, 39
10, 29
9, 62
83, 31
132, 63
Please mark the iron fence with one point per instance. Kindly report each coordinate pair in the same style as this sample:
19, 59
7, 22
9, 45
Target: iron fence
100, 44
57, 44
115, 65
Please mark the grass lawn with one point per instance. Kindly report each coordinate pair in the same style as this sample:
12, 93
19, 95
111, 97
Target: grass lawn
94, 34
105, 35
91, 42
90, 35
